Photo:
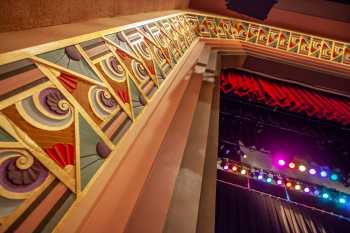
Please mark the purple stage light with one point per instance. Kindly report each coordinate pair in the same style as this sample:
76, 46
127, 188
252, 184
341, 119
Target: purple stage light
312, 171
225, 167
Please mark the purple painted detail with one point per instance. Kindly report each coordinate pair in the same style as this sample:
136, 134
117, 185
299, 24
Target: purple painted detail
102, 149
49, 98
73, 53
18, 180
114, 64
141, 69
120, 37
109, 102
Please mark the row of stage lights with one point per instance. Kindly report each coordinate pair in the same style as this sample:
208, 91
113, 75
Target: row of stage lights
333, 176
292, 184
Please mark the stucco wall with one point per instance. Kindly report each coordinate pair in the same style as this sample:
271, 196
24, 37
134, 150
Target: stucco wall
25, 14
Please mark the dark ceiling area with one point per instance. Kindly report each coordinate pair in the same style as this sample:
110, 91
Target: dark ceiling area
338, 10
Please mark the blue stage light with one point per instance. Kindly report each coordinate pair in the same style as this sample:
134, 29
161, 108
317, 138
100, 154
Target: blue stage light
323, 174
269, 180
342, 200
325, 195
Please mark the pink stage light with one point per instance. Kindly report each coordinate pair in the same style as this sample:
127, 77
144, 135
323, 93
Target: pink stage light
281, 162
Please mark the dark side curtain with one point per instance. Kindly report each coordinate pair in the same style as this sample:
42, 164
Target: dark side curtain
244, 211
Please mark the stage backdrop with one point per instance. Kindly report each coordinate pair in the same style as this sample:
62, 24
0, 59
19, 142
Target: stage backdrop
243, 211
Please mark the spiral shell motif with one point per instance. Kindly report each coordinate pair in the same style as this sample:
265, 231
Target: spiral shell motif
20, 172
144, 50
48, 110
101, 102
139, 70
56, 102
113, 69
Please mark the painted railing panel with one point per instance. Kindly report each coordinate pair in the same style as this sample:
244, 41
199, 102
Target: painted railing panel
271, 37
63, 112
65, 108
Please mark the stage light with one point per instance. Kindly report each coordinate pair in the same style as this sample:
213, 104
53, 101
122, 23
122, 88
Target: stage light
323, 174
297, 187
325, 195
291, 165
279, 182
342, 200
316, 192
243, 171
302, 168
269, 180
312, 171
234, 168
334, 177
306, 189
225, 167
260, 177
289, 184
244, 156
281, 162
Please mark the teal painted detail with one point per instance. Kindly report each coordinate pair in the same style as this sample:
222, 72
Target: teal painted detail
5, 137
59, 57
136, 98
90, 161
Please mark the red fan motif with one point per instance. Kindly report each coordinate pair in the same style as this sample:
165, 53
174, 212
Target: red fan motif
123, 55
151, 69
68, 82
124, 96
62, 154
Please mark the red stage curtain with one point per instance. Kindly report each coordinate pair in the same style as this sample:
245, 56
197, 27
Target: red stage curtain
286, 96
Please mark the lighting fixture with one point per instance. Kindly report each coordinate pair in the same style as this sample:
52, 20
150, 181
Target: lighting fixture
260, 177
334, 177
323, 174
269, 180
243, 171
289, 184
234, 168
342, 200
302, 168
279, 182
281, 162
312, 171
325, 195
291, 165
307, 189
225, 167
297, 187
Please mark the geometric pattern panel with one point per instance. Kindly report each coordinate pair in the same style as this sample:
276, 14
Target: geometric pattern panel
64, 111
271, 37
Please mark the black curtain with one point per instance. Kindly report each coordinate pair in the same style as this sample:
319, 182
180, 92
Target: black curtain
240, 210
